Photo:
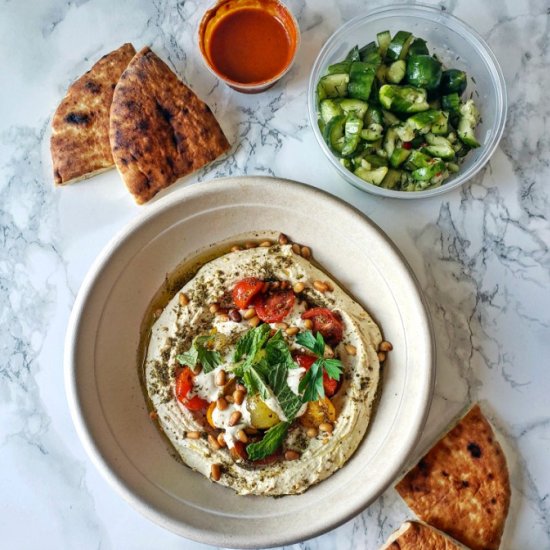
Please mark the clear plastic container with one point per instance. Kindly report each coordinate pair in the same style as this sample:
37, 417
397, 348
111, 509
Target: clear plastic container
458, 46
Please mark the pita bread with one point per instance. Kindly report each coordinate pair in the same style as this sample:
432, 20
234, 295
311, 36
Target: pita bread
80, 127
413, 535
160, 130
461, 486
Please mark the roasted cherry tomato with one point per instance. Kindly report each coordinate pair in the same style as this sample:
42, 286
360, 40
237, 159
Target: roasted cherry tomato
245, 290
238, 452
274, 306
329, 384
184, 384
270, 459
325, 322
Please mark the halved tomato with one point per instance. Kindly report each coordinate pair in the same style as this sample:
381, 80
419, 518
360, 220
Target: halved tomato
184, 384
270, 459
329, 384
326, 322
274, 306
238, 452
245, 290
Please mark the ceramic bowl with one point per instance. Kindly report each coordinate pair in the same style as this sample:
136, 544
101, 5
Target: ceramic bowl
107, 402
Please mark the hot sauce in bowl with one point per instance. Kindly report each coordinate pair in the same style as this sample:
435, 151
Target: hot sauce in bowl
249, 44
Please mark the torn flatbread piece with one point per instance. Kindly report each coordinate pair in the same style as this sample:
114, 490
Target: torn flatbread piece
80, 144
461, 486
413, 535
160, 130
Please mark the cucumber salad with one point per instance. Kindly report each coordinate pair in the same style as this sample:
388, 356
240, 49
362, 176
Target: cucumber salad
395, 116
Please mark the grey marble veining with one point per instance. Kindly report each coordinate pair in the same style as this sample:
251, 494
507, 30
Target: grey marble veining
480, 254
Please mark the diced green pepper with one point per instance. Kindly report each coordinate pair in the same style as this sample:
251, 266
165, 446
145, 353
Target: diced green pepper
469, 119
453, 81
403, 99
451, 103
399, 45
396, 71
361, 78
424, 71
372, 176
399, 156
418, 47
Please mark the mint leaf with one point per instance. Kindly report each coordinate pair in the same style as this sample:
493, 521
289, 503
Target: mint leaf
278, 352
251, 342
290, 402
200, 354
271, 441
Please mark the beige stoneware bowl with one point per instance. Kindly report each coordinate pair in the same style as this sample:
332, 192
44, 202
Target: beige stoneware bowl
106, 399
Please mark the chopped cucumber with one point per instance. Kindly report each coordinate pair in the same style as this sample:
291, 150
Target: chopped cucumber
451, 103
334, 85
399, 156
329, 109
418, 47
370, 54
441, 126
352, 134
334, 134
375, 176
399, 45
469, 119
373, 132
453, 81
403, 99
339, 68
392, 179
374, 116
383, 38
353, 54
424, 71
361, 77
353, 106
396, 71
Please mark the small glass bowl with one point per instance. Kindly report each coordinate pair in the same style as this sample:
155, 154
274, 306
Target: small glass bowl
458, 46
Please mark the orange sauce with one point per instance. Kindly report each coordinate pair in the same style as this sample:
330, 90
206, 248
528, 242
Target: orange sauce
250, 45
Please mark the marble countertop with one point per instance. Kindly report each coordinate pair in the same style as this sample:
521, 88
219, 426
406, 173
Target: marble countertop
480, 254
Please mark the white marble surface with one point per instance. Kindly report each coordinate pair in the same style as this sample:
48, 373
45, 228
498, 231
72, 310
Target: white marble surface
480, 253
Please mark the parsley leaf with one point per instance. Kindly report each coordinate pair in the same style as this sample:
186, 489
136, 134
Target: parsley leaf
316, 344
312, 383
200, 354
271, 441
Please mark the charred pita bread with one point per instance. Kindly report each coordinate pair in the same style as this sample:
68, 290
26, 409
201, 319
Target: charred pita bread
80, 127
461, 486
413, 535
160, 130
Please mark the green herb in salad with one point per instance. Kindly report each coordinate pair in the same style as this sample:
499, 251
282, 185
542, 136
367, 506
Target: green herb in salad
394, 115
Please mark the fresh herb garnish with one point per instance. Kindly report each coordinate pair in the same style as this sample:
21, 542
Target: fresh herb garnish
311, 385
200, 354
271, 441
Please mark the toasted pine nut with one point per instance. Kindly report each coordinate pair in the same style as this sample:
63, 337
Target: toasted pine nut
249, 313
329, 285
296, 249
292, 455
240, 387
234, 418
238, 397
292, 331
229, 399
254, 322
298, 287
250, 244
283, 239
381, 356
320, 286
326, 427
236, 248
193, 435
251, 430
214, 307
308, 324
351, 349
222, 317
329, 352
306, 252
241, 436
213, 442
326, 440
266, 244
216, 472
312, 432
281, 326
385, 346
221, 440
183, 299
221, 403
220, 378
235, 316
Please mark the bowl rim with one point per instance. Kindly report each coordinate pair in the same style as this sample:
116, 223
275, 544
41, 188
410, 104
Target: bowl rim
105, 466
486, 54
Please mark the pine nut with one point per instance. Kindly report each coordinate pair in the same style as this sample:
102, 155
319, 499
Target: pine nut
214, 307
296, 249
312, 432
220, 378
306, 252
320, 286
221, 440
234, 418
292, 331
326, 440
298, 287
250, 244
385, 346
254, 322
235, 316
193, 435
183, 299
249, 313
329, 285
221, 403
251, 430
229, 399
351, 349
308, 324
266, 244
222, 317
240, 387
238, 397
241, 436
216, 472
213, 442
283, 239
381, 356
281, 326
236, 248
329, 352
326, 427
292, 455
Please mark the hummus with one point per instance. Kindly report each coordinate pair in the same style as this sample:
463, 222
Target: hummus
306, 455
